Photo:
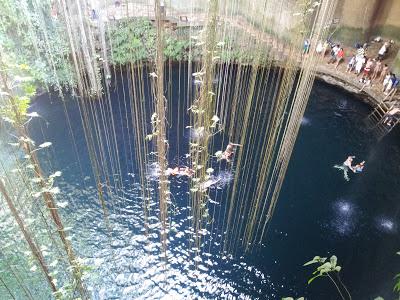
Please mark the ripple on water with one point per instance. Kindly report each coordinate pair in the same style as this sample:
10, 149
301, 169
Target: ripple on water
346, 216
305, 121
386, 224
128, 261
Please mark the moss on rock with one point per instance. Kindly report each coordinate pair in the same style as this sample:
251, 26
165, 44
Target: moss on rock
349, 35
387, 31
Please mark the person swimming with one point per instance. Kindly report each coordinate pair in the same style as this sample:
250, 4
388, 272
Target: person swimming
228, 153
179, 171
359, 167
347, 164
208, 183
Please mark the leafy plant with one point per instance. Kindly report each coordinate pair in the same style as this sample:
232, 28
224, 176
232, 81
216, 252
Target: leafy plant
34, 38
131, 41
176, 49
331, 270
22, 90
396, 287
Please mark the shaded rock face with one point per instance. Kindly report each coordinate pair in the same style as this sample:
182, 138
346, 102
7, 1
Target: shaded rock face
362, 19
348, 86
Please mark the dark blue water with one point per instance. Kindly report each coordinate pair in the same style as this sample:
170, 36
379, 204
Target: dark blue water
318, 213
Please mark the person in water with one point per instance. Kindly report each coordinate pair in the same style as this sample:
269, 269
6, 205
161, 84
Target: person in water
229, 152
348, 162
179, 171
208, 183
359, 167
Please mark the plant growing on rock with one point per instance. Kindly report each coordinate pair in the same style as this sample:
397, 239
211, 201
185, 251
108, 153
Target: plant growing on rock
131, 41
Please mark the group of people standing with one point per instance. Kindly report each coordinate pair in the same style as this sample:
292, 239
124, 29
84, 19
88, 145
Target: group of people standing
373, 69
370, 69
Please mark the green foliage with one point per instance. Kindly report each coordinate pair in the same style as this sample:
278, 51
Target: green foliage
176, 49
349, 35
329, 269
15, 92
131, 41
387, 31
396, 287
134, 40
29, 33
324, 268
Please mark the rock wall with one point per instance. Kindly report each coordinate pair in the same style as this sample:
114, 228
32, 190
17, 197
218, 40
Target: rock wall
396, 64
362, 19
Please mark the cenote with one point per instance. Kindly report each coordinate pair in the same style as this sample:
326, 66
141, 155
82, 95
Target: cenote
185, 150
318, 212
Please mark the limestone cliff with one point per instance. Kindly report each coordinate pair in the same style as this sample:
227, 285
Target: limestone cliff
360, 20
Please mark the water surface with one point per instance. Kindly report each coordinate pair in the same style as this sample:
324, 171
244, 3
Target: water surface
318, 213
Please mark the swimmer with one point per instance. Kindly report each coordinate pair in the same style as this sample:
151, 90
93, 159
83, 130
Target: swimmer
228, 153
345, 167
186, 171
179, 171
348, 162
359, 167
210, 182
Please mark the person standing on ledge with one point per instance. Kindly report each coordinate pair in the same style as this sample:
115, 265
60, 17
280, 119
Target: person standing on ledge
306, 47
351, 64
339, 57
377, 69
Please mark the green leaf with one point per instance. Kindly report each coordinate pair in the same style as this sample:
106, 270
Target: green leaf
396, 287
326, 266
333, 261
307, 263
312, 279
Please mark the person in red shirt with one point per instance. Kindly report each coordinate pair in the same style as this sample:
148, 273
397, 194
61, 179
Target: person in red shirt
339, 57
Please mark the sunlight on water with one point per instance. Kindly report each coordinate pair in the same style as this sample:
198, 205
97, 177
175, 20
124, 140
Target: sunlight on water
385, 224
129, 263
305, 121
345, 217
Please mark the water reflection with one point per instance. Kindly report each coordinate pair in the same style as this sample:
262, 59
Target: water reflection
386, 224
346, 216
128, 260
305, 121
